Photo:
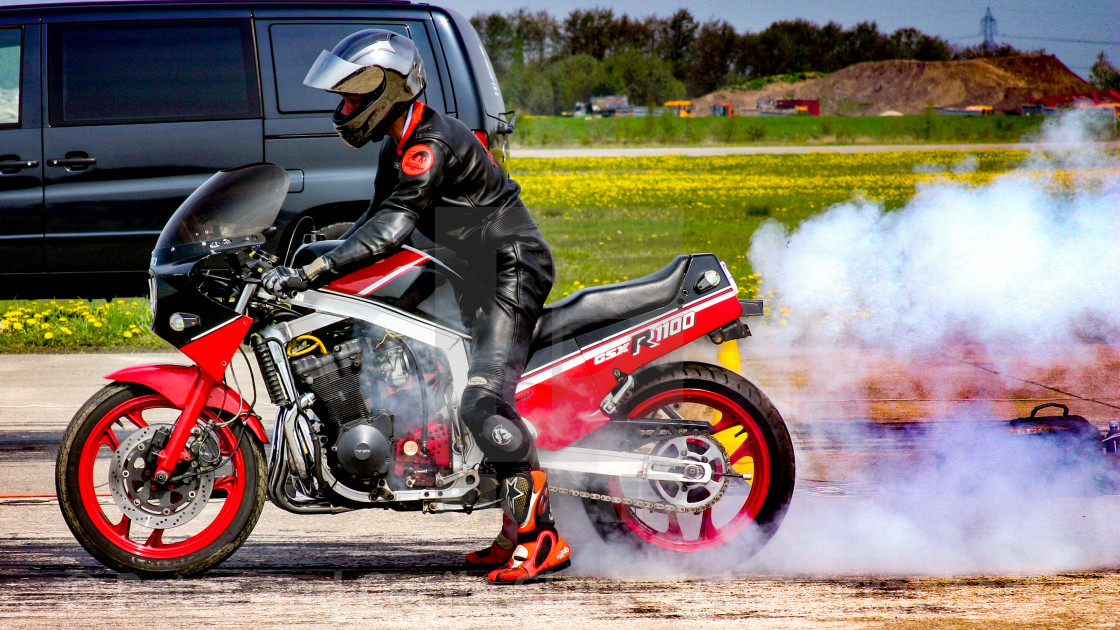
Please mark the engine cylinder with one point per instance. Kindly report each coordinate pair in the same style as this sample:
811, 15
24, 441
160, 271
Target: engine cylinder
336, 380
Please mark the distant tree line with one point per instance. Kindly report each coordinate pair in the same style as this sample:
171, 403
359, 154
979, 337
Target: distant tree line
545, 65
1104, 76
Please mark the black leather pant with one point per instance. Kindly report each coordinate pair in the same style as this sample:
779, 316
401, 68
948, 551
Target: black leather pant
509, 301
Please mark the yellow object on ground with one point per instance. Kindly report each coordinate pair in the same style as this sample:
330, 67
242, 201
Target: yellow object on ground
728, 356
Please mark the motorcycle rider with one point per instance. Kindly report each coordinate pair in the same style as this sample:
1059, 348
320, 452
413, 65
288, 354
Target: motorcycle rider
437, 178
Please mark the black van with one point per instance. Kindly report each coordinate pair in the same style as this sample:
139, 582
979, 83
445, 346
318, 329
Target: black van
112, 112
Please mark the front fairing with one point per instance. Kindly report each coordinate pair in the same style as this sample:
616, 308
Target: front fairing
230, 207
229, 211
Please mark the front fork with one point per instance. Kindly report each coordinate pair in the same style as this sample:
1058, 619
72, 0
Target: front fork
203, 386
174, 452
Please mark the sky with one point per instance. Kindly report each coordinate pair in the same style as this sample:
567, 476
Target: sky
1025, 24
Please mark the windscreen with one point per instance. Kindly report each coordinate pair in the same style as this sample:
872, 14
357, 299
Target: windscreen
235, 202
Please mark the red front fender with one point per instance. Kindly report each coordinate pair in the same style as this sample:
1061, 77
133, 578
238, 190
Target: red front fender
175, 382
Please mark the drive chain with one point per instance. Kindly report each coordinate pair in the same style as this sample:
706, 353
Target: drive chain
653, 505
638, 503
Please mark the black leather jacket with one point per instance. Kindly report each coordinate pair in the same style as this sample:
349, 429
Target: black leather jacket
442, 182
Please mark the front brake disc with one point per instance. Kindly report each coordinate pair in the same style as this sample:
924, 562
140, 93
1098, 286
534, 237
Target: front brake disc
146, 503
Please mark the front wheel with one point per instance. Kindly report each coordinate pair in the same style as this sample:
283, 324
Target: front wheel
749, 440
132, 524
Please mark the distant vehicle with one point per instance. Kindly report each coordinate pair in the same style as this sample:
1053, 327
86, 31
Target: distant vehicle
680, 108
971, 110
789, 107
722, 109
605, 106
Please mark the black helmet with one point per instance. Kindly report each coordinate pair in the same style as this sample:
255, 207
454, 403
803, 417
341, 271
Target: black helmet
380, 67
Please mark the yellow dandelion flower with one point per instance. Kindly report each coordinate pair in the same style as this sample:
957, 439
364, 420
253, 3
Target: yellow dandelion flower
126, 335
48, 335
66, 330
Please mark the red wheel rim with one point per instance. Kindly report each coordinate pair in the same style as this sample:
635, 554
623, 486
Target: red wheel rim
745, 443
118, 533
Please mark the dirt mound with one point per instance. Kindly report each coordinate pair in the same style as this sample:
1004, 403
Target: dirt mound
909, 87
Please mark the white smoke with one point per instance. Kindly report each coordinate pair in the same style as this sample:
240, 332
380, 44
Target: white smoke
1022, 269
1014, 275
1029, 258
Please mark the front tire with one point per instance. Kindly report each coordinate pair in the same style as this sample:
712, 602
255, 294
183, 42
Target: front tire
84, 476
757, 443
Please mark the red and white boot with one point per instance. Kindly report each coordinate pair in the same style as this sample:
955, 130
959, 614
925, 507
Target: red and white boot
539, 548
501, 550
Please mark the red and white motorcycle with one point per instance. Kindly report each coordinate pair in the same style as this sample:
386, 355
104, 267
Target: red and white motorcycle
163, 472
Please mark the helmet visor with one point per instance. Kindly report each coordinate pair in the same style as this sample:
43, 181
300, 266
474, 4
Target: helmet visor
334, 74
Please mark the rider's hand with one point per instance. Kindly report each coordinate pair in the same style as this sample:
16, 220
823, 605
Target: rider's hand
284, 280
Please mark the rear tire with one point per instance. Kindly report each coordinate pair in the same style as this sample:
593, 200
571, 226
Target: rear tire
752, 433
83, 479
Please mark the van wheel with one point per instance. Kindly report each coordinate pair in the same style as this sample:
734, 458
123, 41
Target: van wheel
335, 231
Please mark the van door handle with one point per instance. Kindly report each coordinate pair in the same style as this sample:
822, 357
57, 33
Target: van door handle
73, 164
14, 166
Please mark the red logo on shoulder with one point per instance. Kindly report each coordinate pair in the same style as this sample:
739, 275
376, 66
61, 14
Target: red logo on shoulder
417, 160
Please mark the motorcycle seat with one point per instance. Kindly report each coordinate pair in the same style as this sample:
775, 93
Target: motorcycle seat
595, 307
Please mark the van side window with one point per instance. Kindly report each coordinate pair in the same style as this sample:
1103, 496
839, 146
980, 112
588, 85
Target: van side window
296, 46
140, 72
9, 75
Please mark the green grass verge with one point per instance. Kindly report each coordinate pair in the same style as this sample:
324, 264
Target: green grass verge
66, 325
533, 131
607, 219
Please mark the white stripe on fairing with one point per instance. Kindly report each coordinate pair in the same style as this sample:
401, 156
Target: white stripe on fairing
398, 272
543, 373
215, 329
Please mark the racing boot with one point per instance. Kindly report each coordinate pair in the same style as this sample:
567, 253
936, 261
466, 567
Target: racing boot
501, 550
539, 548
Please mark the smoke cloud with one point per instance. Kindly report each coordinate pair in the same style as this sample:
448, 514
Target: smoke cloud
1010, 276
1020, 271
1029, 258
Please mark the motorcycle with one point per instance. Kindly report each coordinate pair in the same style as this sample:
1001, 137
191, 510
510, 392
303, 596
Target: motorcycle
163, 472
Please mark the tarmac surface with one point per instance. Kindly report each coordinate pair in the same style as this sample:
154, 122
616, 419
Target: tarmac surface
829, 566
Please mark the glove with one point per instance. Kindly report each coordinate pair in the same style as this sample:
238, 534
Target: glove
280, 281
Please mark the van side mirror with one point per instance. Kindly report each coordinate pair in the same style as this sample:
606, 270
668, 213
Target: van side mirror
506, 128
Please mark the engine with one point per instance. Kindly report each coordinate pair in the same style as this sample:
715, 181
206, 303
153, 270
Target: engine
381, 407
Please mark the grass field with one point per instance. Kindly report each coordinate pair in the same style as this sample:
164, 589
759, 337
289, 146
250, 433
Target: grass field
608, 220
611, 219
554, 131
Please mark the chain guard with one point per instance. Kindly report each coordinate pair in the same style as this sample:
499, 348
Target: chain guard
653, 505
160, 508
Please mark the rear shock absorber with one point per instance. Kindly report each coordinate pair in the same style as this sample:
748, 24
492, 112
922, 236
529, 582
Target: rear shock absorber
270, 372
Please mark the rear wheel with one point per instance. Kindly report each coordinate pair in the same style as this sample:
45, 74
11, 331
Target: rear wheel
134, 525
749, 440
